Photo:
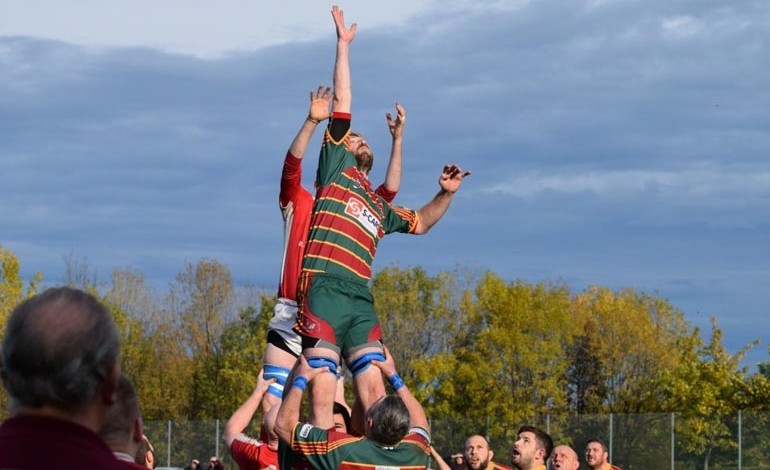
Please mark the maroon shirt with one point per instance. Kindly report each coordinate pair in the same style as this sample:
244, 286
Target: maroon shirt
41, 443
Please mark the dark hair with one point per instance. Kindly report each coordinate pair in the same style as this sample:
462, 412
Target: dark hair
340, 409
593, 439
390, 420
119, 422
544, 441
58, 349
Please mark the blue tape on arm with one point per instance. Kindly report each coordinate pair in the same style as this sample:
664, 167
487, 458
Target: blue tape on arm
362, 363
396, 382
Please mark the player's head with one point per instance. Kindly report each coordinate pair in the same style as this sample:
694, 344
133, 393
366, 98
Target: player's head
533, 446
564, 457
387, 420
341, 418
477, 453
596, 453
359, 147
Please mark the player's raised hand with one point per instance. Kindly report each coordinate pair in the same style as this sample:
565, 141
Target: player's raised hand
396, 126
344, 34
451, 178
319, 104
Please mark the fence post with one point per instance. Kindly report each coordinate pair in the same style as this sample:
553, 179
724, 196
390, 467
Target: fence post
740, 440
168, 444
672, 441
548, 424
610, 437
216, 439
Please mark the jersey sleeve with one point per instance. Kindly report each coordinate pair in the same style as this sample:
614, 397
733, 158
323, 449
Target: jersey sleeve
246, 451
291, 179
334, 157
385, 193
399, 219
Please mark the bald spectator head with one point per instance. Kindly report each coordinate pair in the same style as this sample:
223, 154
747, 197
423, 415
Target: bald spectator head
564, 458
59, 357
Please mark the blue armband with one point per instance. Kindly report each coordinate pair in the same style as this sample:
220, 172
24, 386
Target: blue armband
396, 382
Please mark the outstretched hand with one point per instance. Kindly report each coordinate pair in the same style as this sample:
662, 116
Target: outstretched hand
451, 178
396, 126
319, 104
343, 34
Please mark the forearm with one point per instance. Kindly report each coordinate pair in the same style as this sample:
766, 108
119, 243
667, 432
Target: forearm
288, 414
393, 176
302, 139
242, 417
433, 211
342, 91
416, 413
442, 465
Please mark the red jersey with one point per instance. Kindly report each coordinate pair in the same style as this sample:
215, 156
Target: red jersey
296, 205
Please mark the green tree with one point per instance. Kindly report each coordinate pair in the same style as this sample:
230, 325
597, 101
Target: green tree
706, 388
508, 360
13, 290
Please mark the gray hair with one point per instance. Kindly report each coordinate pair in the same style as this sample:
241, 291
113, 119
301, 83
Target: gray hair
58, 349
390, 420
119, 422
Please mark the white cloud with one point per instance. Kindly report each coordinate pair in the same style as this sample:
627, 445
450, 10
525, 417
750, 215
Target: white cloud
197, 27
726, 184
681, 27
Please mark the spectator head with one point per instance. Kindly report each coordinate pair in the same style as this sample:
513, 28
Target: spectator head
61, 351
387, 420
122, 429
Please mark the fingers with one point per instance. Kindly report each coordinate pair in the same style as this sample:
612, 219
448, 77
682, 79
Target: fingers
454, 171
321, 93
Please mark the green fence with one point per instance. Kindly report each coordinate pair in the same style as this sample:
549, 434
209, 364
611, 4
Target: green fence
642, 441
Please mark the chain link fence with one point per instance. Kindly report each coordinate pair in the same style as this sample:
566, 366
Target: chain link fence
636, 442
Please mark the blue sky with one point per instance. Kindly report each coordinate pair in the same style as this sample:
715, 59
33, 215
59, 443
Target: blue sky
612, 142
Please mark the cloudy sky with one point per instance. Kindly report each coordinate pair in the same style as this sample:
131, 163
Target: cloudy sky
612, 142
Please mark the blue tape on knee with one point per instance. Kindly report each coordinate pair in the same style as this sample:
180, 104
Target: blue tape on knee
319, 361
362, 363
276, 390
280, 374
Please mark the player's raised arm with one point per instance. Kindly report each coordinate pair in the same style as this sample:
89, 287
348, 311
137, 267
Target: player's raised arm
341, 77
450, 180
396, 127
319, 111
243, 415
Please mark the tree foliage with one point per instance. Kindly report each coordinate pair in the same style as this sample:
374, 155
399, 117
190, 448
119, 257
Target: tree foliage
485, 353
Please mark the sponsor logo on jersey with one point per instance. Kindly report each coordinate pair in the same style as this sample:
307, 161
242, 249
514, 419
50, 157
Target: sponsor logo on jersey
358, 210
305, 431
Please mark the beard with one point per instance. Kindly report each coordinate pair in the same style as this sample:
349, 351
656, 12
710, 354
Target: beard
364, 160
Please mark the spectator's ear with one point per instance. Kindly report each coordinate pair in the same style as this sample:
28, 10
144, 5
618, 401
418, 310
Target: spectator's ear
138, 433
491, 454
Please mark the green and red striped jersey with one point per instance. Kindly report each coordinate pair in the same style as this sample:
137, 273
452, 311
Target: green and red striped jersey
349, 218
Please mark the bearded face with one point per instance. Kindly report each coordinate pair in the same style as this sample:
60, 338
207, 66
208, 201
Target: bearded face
359, 147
